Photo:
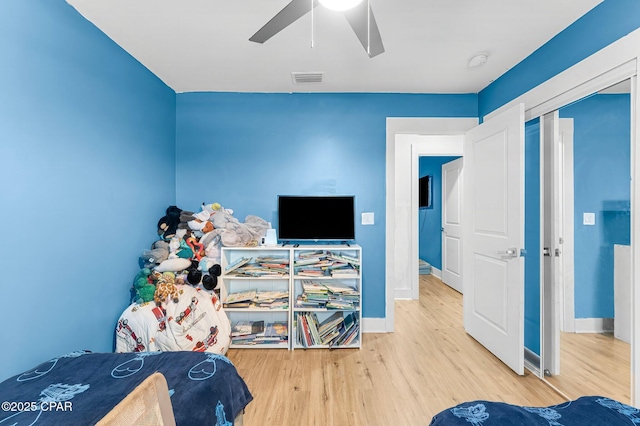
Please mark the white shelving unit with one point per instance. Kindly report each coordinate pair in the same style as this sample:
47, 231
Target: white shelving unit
291, 283
231, 283
353, 252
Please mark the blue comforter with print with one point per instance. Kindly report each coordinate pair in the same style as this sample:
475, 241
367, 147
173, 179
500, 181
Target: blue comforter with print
587, 410
82, 387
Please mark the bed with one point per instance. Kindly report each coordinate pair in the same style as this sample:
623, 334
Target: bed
82, 388
587, 410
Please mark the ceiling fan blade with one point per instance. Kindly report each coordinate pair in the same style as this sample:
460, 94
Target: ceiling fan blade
287, 16
357, 18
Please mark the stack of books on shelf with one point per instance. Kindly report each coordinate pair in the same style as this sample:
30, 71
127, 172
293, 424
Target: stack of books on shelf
257, 299
258, 267
336, 330
324, 263
259, 332
328, 295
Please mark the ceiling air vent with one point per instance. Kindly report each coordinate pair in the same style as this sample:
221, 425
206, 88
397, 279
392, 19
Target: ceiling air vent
307, 77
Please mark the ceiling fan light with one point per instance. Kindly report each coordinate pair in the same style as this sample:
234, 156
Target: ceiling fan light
340, 5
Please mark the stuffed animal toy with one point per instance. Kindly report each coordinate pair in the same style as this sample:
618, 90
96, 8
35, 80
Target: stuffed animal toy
168, 223
194, 275
196, 247
236, 234
211, 281
184, 252
185, 218
205, 263
178, 248
173, 265
200, 222
144, 289
159, 253
166, 288
215, 207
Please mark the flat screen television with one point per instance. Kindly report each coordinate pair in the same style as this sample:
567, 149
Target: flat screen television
424, 192
316, 218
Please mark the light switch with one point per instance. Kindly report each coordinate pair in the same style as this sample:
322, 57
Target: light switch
367, 218
588, 218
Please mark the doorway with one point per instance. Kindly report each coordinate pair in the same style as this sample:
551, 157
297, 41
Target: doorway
439, 234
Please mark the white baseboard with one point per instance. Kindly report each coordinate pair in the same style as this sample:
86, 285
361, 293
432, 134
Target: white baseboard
374, 325
594, 325
403, 294
436, 272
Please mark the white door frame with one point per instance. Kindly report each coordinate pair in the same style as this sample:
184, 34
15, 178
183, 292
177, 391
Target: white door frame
401, 246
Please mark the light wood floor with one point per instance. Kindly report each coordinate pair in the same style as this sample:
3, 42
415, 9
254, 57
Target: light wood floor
594, 364
402, 378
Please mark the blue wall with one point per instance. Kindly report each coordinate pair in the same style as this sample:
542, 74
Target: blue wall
532, 236
602, 170
430, 219
87, 145
243, 149
95, 147
604, 24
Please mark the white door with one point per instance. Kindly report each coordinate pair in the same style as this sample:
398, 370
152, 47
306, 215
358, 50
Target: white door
451, 224
493, 234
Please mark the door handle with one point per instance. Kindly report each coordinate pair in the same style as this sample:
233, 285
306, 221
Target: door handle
510, 252
546, 251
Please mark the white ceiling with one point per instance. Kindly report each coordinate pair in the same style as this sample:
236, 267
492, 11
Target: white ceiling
203, 45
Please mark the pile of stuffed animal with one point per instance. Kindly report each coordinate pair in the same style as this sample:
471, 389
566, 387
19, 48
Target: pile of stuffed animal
188, 250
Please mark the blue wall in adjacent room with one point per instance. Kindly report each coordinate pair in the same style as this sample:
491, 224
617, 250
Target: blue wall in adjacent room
243, 149
87, 144
604, 24
430, 219
532, 236
602, 171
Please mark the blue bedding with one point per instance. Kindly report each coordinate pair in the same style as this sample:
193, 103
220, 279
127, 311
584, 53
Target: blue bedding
81, 387
588, 410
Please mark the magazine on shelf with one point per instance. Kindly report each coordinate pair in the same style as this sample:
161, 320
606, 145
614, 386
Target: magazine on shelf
242, 296
277, 329
242, 328
236, 264
341, 257
340, 288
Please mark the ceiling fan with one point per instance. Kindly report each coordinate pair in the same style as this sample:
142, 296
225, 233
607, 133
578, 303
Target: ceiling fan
360, 18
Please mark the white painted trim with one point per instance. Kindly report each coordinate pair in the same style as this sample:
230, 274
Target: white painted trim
604, 68
594, 325
424, 145
374, 325
398, 215
436, 272
567, 248
635, 237
403, 294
